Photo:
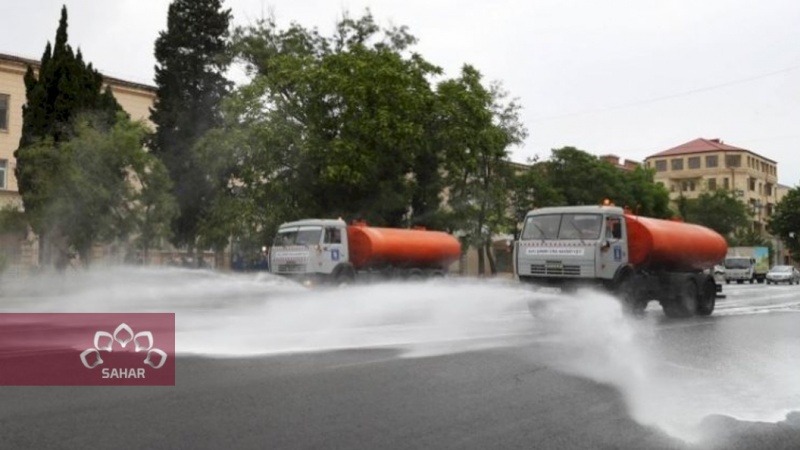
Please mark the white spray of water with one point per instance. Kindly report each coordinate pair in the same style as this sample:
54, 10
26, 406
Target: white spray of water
668, 375
247, 315
665, 382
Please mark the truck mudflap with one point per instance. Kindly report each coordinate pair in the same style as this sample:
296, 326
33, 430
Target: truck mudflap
719, 294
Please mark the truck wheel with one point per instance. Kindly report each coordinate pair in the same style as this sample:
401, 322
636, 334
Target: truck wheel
684, 304
627, 293
708, 298
344, 275
415, 275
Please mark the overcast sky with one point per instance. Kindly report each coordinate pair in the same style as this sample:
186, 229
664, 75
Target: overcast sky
628, 77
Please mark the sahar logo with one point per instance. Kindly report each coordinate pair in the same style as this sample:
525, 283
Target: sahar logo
124, 335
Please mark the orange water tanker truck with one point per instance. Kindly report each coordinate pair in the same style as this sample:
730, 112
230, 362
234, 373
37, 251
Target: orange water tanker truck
637, 258
315, 251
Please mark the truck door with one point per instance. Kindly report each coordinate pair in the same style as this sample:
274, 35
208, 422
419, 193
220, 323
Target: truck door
613, 247
334, 248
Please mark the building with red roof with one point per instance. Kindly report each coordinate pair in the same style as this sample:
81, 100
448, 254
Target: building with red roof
708, 164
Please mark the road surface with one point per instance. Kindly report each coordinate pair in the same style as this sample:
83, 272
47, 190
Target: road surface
425, 371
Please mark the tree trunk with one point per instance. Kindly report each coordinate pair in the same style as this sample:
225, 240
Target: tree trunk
480, 262
490, 257
219, 259
45, 258
191, 255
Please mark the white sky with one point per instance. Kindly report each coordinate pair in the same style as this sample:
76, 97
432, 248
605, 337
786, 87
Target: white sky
628, 77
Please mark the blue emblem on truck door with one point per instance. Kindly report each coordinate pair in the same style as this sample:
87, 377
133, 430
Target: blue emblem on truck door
617, 253
335, 254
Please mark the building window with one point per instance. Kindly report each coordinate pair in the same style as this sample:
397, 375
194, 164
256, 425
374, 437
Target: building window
768, 189
733, 161
677, 164
752, 183
712, 161
3, 115
661, 165
694, 162
3, 172
712, 184
725, 184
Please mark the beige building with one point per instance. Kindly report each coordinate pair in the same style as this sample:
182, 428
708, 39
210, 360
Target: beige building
136, 99
707, 164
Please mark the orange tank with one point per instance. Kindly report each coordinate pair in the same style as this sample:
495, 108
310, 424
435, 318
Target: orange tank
370, 246
675, 246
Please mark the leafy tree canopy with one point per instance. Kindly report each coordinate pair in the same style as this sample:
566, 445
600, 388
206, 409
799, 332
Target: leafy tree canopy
192, 56
65, 87
348, 117
719, 210
574, 177
785, 222
93, 195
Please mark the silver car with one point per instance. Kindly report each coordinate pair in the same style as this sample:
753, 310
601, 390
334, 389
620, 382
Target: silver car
783, 274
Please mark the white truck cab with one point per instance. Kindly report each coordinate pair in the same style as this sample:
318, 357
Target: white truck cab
560, 245
309, 249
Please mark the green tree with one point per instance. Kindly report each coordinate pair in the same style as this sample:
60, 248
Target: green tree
103, 183
329, 126
192, 56
719, 210
65, 87
153, 206
575, 177
91, 204
643, 195
479, 127
785, 222
579, 177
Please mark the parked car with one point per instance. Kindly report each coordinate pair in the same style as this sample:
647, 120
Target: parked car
783, 274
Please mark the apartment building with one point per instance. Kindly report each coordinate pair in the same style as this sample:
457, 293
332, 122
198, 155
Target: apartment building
707, 164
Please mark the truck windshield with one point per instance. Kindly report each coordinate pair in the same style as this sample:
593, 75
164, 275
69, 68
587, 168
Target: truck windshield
562, 226
298, 236
737, 263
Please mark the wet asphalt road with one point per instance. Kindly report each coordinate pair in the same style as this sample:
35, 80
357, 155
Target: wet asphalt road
510, 397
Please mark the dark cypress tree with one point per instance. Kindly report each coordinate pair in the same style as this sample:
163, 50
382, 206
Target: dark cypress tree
65, 87
192, 57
